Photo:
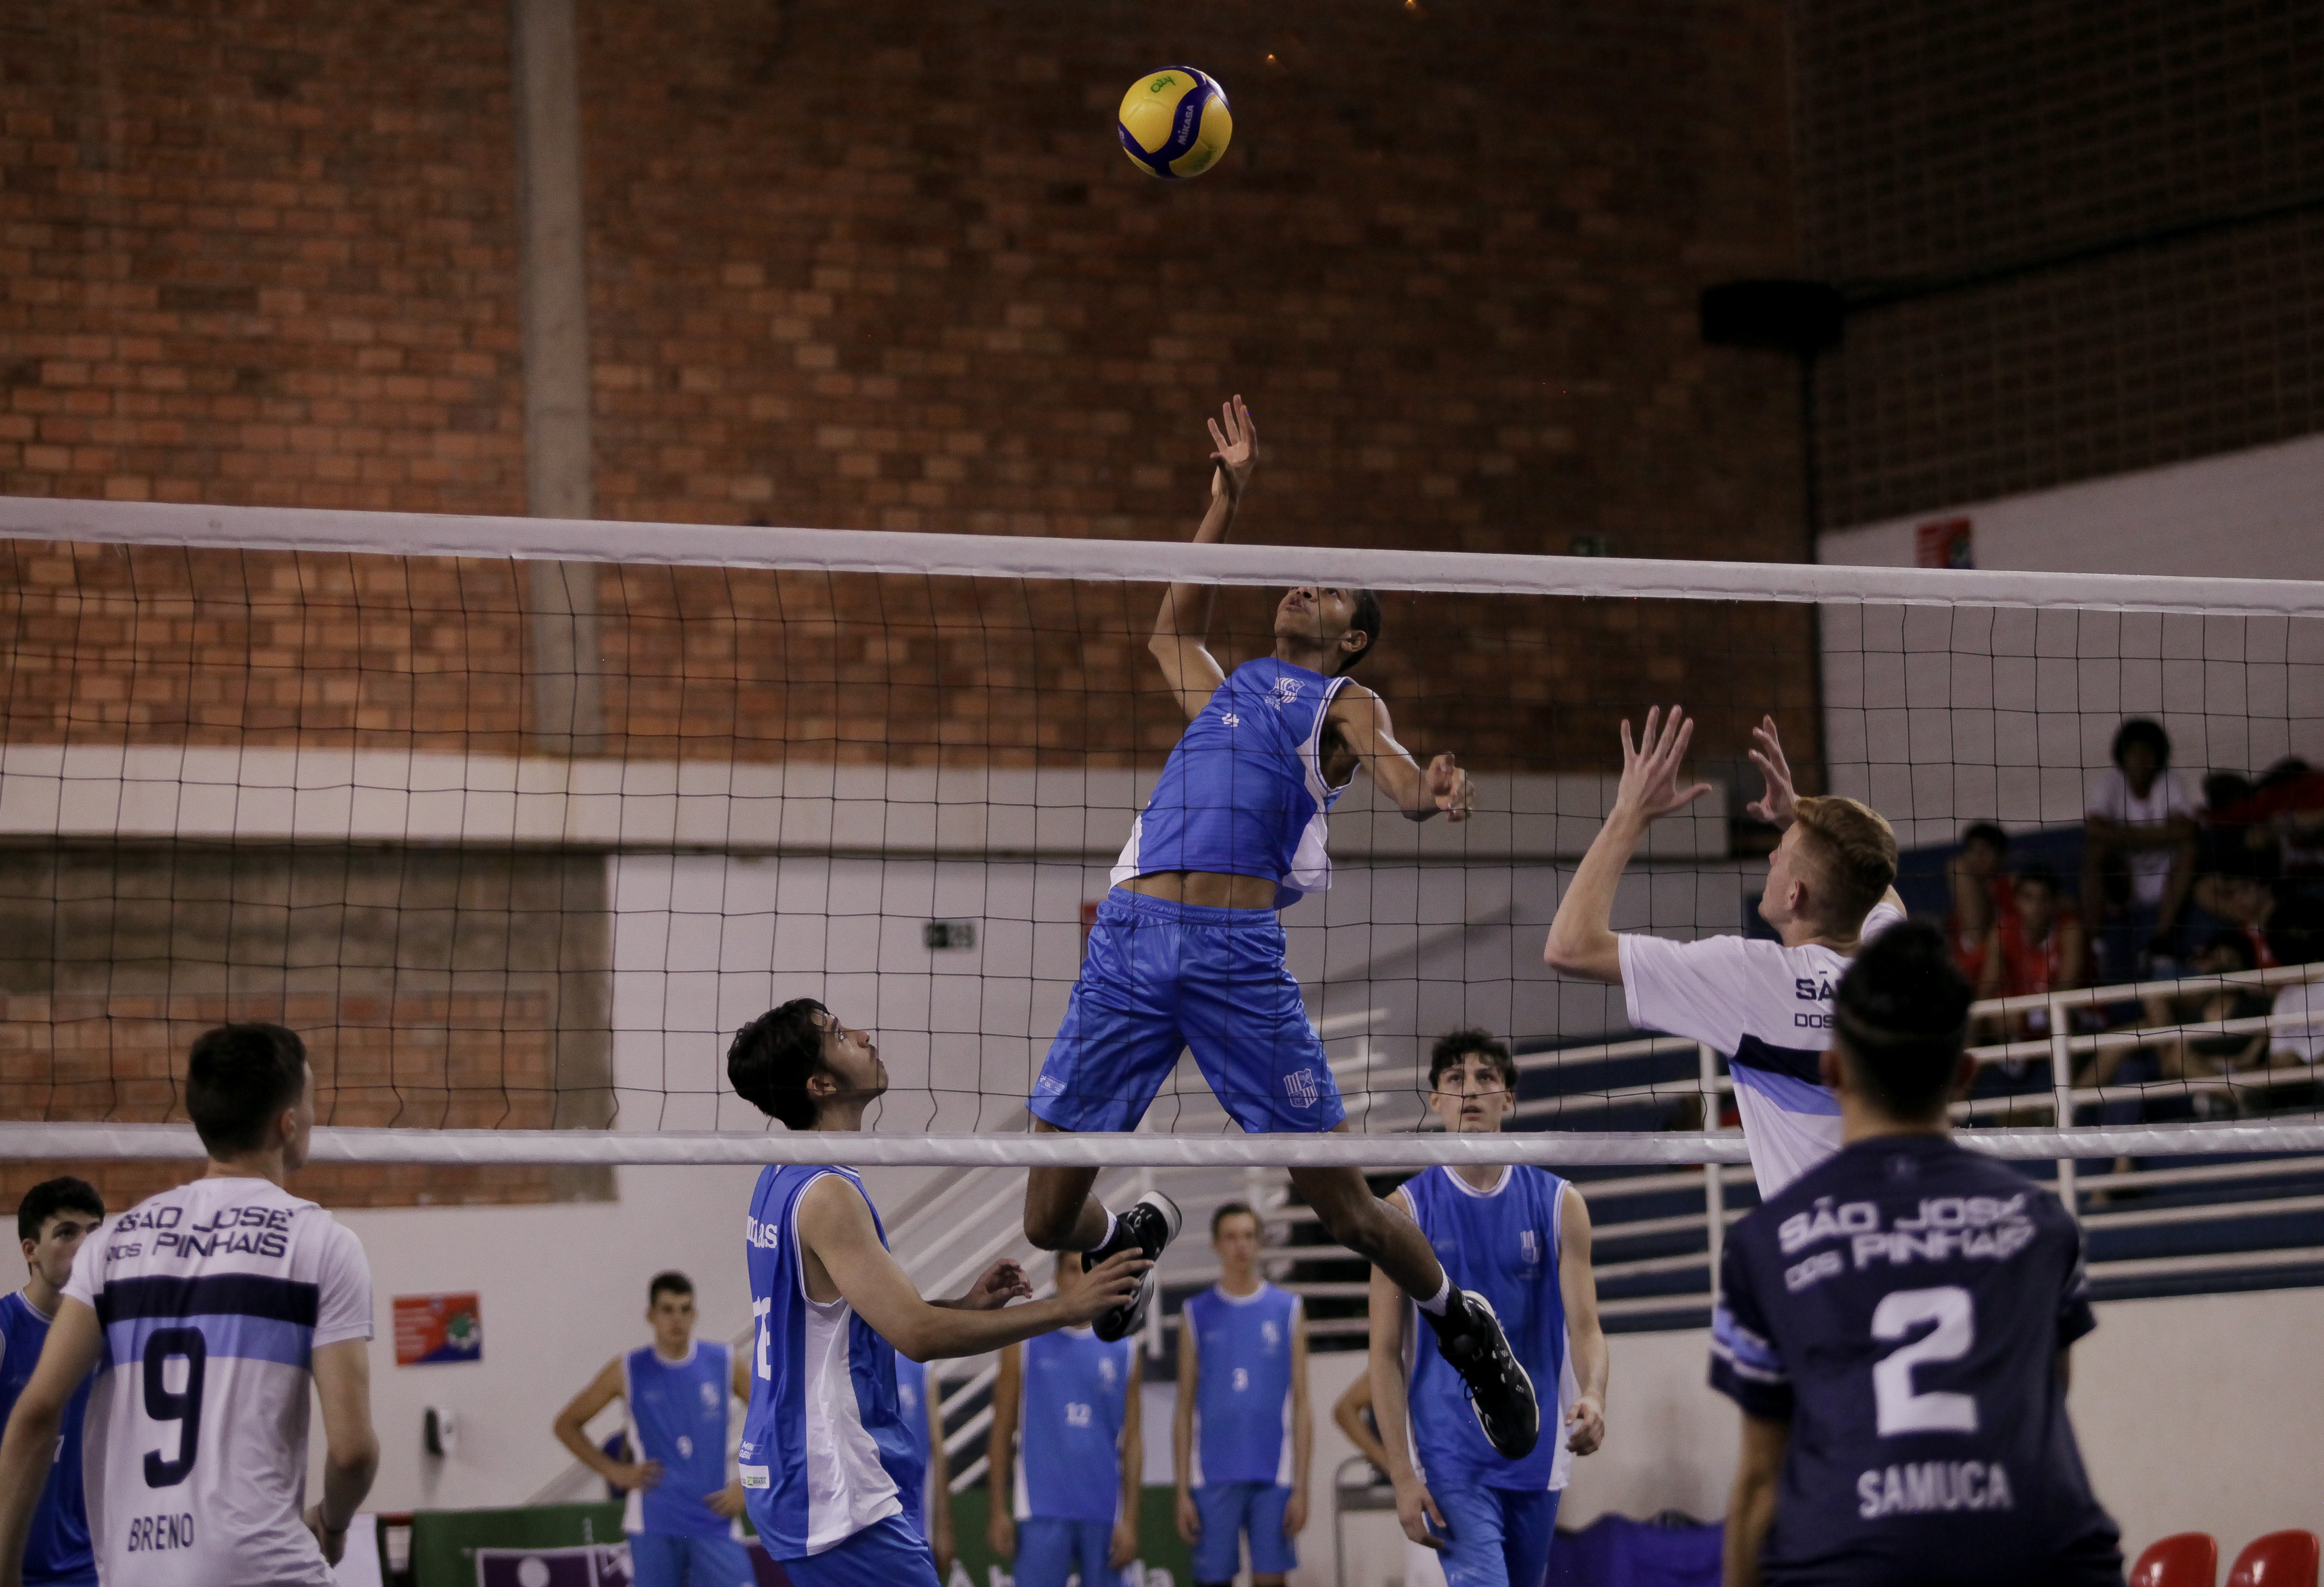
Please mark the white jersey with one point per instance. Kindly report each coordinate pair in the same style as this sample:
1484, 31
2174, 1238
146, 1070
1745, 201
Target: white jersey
213, 1297
1768, 1010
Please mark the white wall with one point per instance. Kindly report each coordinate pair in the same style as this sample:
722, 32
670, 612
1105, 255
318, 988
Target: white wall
1939, 717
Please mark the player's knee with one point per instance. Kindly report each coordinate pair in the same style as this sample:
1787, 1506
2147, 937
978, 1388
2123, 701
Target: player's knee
1044, 1228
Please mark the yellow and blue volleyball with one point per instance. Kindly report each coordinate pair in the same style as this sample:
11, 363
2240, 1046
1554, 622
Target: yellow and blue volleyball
1174, 123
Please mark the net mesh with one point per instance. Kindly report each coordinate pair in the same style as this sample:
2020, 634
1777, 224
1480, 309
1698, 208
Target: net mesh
516, 821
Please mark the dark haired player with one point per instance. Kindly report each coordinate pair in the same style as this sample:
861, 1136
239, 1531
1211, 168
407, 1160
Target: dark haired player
828, 1456
51, 1221
1187, 950
1895, 1326
680, 1512
1519, 1235
218, 1308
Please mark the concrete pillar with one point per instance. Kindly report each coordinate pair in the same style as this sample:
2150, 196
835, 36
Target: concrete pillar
569, 704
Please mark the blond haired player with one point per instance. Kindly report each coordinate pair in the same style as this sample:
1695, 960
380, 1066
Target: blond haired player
1766, 1006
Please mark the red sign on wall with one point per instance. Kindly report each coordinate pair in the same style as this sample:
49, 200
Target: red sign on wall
1949, 542
433, 1328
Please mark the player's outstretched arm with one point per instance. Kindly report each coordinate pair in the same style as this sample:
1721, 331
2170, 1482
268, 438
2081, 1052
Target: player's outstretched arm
30, 1446
1581, 939
1585, 1424
602, 1391
350, 1447
845, 1260
1439, 789
1002, 1282
1751, 1507
1182, 1430
1193, 673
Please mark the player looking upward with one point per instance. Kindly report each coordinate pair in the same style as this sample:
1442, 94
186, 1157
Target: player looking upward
51, 1221
1895, 1324
926, 1494
1187, 951
827, 1454
1520, 1235
219, 1309
1242, 1436
1066, 1440
1764, 1005
681, 1508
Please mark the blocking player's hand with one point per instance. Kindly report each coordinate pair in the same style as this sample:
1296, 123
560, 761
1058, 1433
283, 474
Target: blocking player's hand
1237, 441
726, 1502
1294, 1513
1003, 1282
1000, 1533
1125, 1543
333, 1543
1416, 1512
1449, 788
1108, 1284
1190, 1519
631, 1476
1774, 805
1649, 787
1585, 1426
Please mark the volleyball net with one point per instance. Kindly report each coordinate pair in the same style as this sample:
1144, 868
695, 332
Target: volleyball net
517, 820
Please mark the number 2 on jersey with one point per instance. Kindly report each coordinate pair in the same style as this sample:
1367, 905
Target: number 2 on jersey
1897, 1407
183, 1406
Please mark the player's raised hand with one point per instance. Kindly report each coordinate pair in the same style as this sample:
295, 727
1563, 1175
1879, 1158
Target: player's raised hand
1237, 441
1585, 1426
1450, 788
1416, 1512
1108, 1284
1003, 1282
1650, 789
1774, 805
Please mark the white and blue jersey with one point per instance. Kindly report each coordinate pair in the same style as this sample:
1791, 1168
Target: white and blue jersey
1767, 1008
825, 1432
678, 1415
1242, 1384
56, 1546
1902, 1306
1501, 1243
1243, 793
1075, 1399
911, 1476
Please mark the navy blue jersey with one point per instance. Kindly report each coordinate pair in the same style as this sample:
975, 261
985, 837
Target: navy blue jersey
1902, 1305
56, 1546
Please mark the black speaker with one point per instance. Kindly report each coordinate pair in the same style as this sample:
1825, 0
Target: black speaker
1787, 315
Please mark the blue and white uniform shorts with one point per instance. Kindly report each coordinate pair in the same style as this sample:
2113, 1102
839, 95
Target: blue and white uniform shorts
1162, 977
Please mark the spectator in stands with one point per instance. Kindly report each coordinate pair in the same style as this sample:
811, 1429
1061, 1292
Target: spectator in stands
2282, 811
2138, 849
2298, 937
1981, 895
2036, 946
2245, 903
2207, 1058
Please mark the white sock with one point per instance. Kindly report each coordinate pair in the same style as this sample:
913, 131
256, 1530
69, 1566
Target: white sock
1434, 1305
1111, 1221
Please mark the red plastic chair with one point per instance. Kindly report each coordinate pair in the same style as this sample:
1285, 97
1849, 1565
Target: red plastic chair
2183, 1559
2279, 1559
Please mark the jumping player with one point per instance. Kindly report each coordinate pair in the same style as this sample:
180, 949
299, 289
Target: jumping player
1895, 1324
1764, 1005
220, 1308
1187, 950
1242, 1436
681, 1508
1521, 1236
1066, 1440
827, 1454
51, 1221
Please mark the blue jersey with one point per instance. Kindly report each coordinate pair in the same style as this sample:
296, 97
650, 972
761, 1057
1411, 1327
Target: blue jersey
1243, 793
1070, 1415
678, 1415
824, 1434
1502, 1244
1902, 1306
56, 1547
1242, 1384
912, 1474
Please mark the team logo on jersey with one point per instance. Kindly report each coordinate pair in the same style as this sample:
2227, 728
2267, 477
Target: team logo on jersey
1230, 719
1302, 1088
710, 1396
1529, 1248
1269, 1334
1286, 691
1105, 1370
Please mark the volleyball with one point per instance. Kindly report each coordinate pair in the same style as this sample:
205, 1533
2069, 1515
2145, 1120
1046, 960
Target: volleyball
1174, 123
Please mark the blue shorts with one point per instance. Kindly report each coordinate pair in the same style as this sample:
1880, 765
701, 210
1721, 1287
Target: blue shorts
1496, 1537
1162, 977
1228, 1510
1049, 1551
889, 1553
678, 1559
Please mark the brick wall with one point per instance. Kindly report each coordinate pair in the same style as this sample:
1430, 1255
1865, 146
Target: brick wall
1935, 138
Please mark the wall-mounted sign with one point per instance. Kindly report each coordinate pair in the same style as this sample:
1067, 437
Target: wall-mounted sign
1949, 542
433, 1328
